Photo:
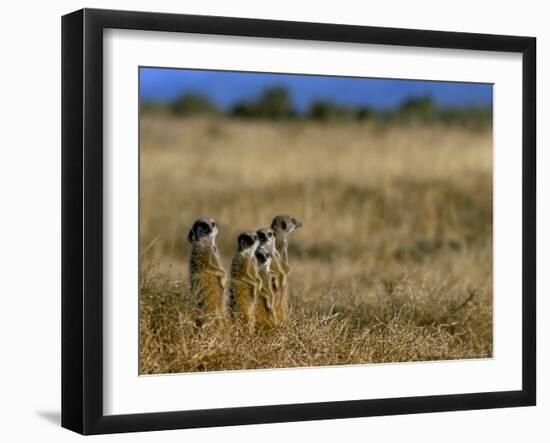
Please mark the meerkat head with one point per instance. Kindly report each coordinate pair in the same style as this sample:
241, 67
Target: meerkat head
267, 238
204, 230
283, 225
248, 242
263, 257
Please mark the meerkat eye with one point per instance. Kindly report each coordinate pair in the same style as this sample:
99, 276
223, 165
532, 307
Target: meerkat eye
270, 234
293, 221
261, 236
213, 224
283, 225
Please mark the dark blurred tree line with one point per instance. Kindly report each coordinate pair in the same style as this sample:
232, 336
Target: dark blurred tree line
275, 103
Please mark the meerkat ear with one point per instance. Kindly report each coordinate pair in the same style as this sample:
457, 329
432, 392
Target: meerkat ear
191, 236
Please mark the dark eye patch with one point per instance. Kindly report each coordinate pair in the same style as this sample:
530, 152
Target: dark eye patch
262, 236
261, 257
204, 228
283, 225
245, 241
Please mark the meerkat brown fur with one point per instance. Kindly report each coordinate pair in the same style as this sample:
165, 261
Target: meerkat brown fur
282, 225
245, 282
276, 280
207, 276
264, 316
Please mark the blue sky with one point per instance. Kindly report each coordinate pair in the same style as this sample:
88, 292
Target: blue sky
225, 88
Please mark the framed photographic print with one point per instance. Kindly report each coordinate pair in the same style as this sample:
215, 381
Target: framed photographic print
269, 221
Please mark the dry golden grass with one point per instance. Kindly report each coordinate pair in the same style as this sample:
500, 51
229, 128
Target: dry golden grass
394, 262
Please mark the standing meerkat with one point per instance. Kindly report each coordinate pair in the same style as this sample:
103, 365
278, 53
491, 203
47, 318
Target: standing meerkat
245, 281
277, 278
264, 316
283, 225
207, 276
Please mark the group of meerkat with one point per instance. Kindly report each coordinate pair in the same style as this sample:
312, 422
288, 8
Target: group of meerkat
257, 294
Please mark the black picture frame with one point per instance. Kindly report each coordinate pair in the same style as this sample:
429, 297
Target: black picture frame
82, 221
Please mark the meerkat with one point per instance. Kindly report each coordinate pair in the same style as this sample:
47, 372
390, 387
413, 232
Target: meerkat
282, 225
245, 282
264, 315
207, 277
277, 278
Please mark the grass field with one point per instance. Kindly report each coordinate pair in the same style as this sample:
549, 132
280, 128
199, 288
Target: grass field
393, 264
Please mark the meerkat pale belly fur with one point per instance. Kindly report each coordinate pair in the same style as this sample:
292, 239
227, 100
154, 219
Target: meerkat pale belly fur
283, 225
207, 276
245, 281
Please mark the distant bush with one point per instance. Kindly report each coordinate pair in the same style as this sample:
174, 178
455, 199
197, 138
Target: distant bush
474, 117
424, 109
364, 113
275, 103
324, 110
194, 104
417, 108
247, 109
